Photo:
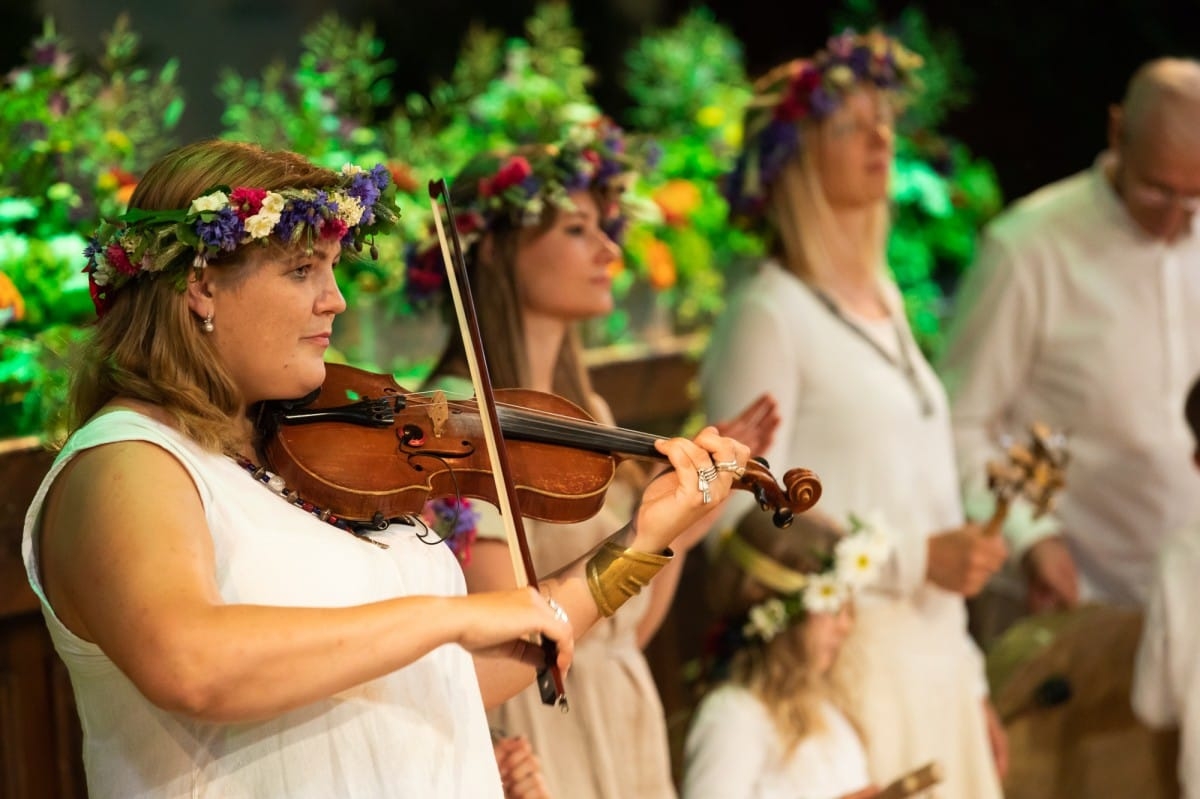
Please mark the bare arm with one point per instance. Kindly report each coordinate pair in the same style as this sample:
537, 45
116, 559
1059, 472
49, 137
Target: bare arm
130, 568
670, 507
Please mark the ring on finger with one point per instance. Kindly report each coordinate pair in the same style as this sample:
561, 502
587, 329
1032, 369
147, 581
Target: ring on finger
707, 474
702, 485
730, 466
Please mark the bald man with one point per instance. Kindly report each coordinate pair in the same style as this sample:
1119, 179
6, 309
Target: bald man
1083, 311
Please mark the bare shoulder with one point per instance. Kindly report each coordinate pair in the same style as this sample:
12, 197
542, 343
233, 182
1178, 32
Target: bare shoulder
120, 518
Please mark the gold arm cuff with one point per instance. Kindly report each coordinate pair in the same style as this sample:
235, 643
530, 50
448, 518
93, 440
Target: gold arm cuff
615, 574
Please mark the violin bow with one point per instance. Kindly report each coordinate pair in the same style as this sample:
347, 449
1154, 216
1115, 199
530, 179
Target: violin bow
549, 678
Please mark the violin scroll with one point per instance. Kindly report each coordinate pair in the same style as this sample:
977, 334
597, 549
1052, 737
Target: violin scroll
800, 491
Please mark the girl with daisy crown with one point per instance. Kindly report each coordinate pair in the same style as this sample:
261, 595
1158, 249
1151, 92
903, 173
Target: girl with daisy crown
225, 637
777, 723
858, 398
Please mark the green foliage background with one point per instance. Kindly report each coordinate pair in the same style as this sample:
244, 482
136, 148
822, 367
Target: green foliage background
74, 136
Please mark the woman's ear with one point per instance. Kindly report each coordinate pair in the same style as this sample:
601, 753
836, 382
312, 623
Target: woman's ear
199, 294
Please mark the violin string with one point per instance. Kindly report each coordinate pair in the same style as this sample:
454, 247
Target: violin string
553, 427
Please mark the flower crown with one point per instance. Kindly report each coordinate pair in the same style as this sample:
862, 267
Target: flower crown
809, 89
352, 211
512, 190
854, 563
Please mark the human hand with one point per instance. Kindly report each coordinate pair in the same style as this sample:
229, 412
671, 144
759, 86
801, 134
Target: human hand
997, 737
1053, 578
962, 560
755, 426
497, 624
674, 501
520, 771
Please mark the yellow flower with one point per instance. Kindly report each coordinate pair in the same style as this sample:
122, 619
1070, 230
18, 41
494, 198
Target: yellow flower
11, 299
677, 199
660, 265
117, 139
841, 76
710, 116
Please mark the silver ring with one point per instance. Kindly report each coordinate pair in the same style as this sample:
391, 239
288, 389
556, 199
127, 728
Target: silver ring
729, 466
559, 613
709, 474
702, 487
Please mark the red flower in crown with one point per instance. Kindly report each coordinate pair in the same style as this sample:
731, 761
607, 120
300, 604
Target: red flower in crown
334, 228
515, 170
120, 259
794, 105
247, 202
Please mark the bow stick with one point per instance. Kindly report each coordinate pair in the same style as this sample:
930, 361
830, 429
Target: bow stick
549, 678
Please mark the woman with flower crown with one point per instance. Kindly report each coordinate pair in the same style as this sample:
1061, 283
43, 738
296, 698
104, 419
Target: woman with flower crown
539, 226
821, 325
774, 724
224, 637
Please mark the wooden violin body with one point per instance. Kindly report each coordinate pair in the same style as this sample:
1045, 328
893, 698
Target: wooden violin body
369, 451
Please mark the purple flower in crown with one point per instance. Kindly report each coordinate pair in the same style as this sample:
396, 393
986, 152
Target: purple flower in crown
860, 62
301, 211
223, 232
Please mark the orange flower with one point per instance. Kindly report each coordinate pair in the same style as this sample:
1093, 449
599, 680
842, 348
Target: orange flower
616, 267
677, 199
402, 176
660, 264
10, 298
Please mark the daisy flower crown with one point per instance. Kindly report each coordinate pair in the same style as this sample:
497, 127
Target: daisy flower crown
352, 211
504, 190
854, 563
809, 89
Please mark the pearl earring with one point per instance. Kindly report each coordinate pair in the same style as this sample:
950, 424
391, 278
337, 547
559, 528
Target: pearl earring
206, 324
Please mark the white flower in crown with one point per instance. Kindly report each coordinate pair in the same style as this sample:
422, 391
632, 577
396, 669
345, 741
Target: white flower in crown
766, 620
824, 594
873, 528
857, 561
352, 169
209, 202
350, 210
272, 203
260, 225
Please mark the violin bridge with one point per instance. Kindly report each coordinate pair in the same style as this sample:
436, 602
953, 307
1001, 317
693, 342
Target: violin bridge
439, 412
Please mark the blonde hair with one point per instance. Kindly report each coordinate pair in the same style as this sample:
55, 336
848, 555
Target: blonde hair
148, 346
804, 230
491, 269
778, 672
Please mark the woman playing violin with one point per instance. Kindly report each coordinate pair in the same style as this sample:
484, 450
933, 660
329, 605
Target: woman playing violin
222, 640
540, 227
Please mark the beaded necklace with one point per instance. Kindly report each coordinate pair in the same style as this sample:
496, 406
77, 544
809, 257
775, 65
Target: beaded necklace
279, 488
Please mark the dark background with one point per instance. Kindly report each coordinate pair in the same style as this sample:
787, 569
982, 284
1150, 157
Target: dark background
1042, 73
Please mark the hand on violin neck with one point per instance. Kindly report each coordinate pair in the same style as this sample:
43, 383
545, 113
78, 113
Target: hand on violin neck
678, 499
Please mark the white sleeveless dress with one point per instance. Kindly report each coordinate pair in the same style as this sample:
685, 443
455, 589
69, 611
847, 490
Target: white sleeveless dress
420, 731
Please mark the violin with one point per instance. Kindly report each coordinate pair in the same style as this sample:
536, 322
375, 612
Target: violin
370, 451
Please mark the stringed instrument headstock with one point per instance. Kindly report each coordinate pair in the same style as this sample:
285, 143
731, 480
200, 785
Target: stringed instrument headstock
1032, 470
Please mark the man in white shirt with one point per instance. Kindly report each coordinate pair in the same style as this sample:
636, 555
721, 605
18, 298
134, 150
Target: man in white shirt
1083, 312
1166, 678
